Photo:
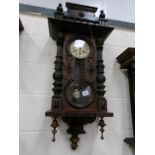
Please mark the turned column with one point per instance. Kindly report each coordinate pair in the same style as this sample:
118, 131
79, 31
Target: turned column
100, 79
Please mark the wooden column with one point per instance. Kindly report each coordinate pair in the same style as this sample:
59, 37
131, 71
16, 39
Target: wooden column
100, 79
57, 90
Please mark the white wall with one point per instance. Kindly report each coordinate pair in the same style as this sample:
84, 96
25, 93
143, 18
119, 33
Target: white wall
37, 54
122, 10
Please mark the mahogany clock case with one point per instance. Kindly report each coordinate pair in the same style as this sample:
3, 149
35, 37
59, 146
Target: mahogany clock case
89, 71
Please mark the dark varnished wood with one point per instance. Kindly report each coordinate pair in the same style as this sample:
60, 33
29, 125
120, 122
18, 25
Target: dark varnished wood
67, 25
130, 141
127, 61
81, 12
64, 29
21, 28
79, 7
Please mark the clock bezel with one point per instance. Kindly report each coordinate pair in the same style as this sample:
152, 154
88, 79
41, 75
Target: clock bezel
79, 37
74, 54
72, 105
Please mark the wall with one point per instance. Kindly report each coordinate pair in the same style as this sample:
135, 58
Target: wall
122, 10
37, 54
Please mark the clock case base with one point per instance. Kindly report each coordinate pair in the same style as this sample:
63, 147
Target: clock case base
76, 123
58, 26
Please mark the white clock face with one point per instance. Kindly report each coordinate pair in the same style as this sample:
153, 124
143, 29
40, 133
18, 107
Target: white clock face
79, 49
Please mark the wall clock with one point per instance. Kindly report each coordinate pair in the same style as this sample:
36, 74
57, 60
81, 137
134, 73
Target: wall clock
127, 62
78, 88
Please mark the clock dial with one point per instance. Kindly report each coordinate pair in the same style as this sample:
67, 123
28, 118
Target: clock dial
79, 49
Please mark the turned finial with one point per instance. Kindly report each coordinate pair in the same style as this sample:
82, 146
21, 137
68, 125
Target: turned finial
54, 125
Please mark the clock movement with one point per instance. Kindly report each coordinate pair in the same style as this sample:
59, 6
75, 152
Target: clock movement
78, 88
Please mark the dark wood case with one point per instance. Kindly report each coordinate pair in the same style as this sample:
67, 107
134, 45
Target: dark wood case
64, 28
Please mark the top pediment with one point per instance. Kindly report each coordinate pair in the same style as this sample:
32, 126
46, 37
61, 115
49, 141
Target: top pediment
73, 6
